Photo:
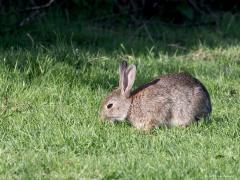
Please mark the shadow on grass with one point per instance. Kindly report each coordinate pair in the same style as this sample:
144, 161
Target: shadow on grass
83, 46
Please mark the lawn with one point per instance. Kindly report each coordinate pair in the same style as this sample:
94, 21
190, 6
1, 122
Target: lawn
55, 72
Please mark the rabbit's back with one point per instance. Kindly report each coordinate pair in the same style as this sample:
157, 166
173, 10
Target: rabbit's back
174, 99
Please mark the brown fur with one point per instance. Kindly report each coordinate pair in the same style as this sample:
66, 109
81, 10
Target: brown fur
173, 99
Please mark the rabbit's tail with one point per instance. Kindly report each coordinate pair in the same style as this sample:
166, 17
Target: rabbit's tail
205, 107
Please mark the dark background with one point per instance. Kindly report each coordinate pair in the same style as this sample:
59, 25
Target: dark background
18, 13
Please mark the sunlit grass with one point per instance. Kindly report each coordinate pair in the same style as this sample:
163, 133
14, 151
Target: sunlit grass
51, 91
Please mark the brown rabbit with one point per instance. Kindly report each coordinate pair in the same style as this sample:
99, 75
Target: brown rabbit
174, 99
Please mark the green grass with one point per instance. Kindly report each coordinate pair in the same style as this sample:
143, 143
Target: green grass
54, 76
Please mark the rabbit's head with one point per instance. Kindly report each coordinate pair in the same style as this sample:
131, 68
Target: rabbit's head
116, 105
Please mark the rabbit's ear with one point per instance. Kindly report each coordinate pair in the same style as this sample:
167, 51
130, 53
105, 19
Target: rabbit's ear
128, 80
122, 69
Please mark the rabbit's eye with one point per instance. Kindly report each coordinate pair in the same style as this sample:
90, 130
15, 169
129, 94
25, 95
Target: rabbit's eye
109, 105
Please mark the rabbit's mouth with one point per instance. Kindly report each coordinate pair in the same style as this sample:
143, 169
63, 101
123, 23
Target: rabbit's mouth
112, 117
116, 118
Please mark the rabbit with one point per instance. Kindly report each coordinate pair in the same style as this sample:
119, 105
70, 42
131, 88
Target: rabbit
169, 100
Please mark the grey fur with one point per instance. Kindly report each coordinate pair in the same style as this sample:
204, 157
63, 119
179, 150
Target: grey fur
174, 99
